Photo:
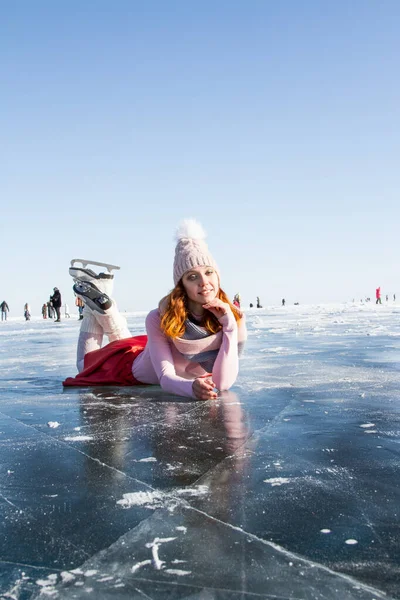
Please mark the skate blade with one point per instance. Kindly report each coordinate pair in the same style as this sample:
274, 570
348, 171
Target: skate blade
84, 262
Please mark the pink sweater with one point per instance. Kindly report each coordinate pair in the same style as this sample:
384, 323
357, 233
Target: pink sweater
162, 364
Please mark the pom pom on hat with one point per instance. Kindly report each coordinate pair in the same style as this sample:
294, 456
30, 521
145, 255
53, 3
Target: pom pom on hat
191, 249
190, 229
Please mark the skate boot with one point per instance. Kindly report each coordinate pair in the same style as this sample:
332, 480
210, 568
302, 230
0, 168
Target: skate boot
92, 296
103, 281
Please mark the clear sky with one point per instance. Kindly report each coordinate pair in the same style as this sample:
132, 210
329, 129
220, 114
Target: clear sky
275, 124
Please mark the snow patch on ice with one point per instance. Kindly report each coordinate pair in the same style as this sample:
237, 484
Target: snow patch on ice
149, 499
198, 490
178, 572
155, 545
139, 565
274, 481
176, 561
155, 499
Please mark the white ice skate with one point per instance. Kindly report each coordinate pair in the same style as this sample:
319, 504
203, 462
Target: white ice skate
92, 296
103, 281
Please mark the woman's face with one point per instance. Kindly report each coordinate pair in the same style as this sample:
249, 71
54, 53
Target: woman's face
201, 285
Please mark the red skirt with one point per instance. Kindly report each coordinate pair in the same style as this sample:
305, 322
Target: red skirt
111, 365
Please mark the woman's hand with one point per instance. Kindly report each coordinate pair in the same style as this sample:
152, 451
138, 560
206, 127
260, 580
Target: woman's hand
203, 388
217, 307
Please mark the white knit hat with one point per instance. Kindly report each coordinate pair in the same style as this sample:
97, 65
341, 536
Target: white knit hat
191, 249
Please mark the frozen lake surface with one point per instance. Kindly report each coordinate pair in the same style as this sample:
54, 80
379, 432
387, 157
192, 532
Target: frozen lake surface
286, 487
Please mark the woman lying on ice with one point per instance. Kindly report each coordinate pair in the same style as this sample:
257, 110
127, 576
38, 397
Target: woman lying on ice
193, 338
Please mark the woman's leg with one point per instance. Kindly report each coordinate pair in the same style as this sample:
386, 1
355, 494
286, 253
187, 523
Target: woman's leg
103, 317
90, 337
91, 332
113, 323
100, 313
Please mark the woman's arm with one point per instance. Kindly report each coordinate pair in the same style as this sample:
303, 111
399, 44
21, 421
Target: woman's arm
162, 359
226, 366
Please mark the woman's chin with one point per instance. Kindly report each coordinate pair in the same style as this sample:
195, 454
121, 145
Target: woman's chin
206, 299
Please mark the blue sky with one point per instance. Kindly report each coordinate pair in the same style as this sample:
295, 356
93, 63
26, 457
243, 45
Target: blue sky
275, 124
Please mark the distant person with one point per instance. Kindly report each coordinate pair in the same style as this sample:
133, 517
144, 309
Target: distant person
236, 300
387, 297
258, 303
394, 297
283, 301
66, 311
378, 295
251, 305
27, 312
80, 304
44, 311
55, 300
4, 310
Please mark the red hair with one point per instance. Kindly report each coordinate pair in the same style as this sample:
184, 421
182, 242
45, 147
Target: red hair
174, 312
